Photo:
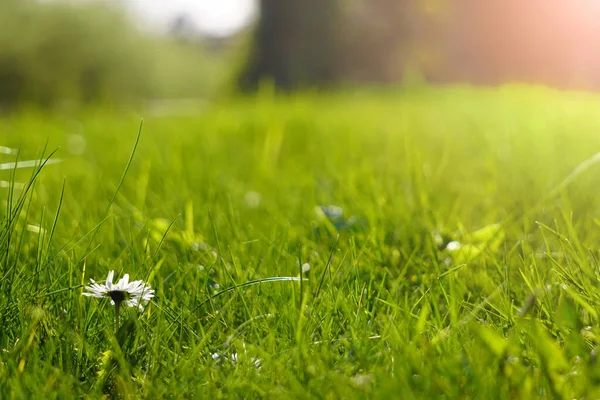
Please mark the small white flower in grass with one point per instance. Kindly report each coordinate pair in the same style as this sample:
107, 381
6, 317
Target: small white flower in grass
453, 246
233, 359
132, 293
305, 268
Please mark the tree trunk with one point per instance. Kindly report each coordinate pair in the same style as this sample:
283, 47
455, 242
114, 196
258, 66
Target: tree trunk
294, 45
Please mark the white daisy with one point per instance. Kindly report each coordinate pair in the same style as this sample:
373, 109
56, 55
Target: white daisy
233, 359
132, 293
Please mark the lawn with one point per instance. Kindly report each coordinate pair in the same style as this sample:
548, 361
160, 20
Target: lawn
430, 243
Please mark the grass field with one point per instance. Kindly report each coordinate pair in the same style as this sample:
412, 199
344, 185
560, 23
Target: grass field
452, 236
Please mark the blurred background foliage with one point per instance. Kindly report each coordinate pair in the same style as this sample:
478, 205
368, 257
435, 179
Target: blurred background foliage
60, 52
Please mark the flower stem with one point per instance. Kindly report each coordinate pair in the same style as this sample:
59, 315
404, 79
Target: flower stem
117, 314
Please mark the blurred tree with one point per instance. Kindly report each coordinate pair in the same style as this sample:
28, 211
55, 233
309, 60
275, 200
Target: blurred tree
375, 37
59, 53
294, 44
183, 27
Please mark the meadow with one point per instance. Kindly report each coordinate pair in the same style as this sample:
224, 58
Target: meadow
414, 243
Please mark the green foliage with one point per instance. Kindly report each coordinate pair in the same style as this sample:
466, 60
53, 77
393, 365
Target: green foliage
52, 53
220, 211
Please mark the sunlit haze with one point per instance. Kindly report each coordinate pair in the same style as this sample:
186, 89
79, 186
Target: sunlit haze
215, 17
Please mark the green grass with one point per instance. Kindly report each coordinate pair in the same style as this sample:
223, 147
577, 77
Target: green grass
229, 197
